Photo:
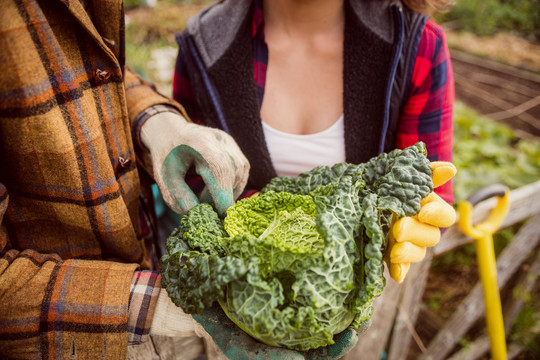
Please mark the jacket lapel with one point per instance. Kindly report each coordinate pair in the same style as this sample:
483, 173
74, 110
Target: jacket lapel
102, 13
367, 60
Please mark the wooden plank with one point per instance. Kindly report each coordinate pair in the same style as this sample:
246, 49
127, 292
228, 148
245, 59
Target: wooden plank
473, 351
409, 307
371, 343
524, 202
514, 350
473, 306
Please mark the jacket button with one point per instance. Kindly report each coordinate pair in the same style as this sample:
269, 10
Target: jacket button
101, 76
124, 162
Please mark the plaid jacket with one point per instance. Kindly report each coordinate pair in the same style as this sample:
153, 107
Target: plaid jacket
395, 92
70, 187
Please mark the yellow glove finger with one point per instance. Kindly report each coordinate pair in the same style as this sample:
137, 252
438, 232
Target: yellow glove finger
406, 252
408, 229
437, 212
399, 271
442, 172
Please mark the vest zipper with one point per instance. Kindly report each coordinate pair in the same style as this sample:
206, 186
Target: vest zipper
396, 53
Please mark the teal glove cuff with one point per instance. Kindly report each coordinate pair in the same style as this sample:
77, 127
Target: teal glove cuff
343, 343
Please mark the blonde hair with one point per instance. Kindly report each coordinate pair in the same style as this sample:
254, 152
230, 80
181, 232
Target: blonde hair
429, 6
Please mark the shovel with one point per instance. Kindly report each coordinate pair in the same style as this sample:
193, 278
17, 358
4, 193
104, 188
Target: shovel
482, 234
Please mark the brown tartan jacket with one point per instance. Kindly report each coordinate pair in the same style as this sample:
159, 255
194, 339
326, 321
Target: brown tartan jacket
70, 237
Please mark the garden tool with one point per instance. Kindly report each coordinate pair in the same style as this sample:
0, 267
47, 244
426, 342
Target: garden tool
482, 233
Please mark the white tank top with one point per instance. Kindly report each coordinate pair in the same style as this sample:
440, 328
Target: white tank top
293, 154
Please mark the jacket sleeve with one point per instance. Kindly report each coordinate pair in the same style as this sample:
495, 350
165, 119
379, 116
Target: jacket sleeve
427, 114
51, 307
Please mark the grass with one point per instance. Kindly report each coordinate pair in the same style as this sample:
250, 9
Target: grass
487, 152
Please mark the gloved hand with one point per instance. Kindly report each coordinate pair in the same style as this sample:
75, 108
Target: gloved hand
176, 145
232, 342
410, 236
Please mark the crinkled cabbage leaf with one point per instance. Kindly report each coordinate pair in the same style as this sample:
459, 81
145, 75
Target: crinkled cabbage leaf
303, 260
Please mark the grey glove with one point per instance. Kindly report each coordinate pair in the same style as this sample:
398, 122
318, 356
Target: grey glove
176, 145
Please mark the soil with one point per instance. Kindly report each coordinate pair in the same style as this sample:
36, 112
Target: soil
505, 48
499, 77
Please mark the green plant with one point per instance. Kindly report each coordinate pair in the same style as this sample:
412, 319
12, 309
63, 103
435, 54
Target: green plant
487, 152
130, 4
303, 260
486, 17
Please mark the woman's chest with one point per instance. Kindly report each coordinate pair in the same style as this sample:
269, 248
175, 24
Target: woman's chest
304, 89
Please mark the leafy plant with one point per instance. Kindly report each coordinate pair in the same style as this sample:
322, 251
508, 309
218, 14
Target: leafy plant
487, 152
303, 260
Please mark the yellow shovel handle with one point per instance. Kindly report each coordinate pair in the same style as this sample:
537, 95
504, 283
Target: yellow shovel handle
487, 267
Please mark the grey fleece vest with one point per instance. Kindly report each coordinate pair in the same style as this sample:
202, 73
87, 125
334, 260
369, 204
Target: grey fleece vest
380, 46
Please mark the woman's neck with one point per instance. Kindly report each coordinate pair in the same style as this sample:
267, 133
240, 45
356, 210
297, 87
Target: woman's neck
299, 19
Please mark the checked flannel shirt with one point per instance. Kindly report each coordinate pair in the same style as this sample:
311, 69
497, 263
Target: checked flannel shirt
427, 115
75, 275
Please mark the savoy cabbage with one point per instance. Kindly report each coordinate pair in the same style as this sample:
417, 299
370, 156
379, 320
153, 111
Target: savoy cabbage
303, 260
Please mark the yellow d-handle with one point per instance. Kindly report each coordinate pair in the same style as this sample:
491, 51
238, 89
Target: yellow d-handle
482, 233
496, 217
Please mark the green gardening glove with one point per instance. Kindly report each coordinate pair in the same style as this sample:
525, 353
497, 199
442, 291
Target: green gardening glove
238, 345
176, 146
343, 343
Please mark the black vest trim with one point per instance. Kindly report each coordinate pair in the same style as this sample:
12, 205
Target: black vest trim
366, 61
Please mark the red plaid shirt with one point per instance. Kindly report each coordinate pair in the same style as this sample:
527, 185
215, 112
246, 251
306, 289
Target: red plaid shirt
426, 116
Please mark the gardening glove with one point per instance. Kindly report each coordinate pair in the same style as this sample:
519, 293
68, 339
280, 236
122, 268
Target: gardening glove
176, 145
343, 343
231, 341
411, 235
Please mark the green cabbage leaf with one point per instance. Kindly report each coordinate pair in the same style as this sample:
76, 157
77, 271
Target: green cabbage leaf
303, 260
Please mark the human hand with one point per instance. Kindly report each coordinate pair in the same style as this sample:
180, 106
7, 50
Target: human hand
176, 145
411, 235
